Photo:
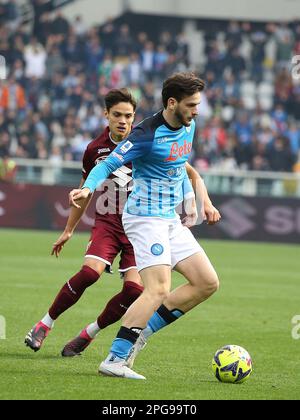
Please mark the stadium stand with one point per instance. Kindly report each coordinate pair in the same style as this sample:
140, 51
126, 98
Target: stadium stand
51, 103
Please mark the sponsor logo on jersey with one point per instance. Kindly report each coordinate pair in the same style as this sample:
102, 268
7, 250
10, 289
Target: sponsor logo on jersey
157, 249
126, 147
106, 150
175, 171
114, 154
163, 140
177, 151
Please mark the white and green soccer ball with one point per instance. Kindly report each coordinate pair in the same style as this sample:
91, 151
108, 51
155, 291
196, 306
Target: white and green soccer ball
232, 364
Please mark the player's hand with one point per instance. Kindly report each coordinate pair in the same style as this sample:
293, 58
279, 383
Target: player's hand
77, 195
191, 213
60, 243
212, 215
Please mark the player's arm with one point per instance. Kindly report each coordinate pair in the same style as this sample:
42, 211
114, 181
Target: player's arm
73, 220
208, 212
136, 145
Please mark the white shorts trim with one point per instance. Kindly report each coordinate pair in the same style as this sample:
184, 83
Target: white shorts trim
98, 258
127, 269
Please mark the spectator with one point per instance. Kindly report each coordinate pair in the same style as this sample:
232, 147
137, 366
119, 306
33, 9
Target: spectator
8, 169
280, 156
60, 25
12, 95
293, 134
79, 27
35, 58
124, 43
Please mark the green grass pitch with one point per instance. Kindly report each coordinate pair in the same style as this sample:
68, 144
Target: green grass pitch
259, 296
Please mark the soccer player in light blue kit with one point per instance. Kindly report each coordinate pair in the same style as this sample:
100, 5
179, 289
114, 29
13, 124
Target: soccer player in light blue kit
159, 148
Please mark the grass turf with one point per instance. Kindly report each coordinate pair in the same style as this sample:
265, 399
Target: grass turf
258, 298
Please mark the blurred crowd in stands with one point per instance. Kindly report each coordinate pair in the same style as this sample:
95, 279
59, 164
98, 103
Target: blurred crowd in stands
58, 71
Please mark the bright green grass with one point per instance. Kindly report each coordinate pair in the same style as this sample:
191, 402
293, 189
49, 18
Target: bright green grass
259, 295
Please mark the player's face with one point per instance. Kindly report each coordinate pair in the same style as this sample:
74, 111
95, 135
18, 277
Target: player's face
120, 119
187, 110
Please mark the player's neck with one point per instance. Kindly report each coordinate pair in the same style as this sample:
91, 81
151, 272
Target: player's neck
171, 120
115, 139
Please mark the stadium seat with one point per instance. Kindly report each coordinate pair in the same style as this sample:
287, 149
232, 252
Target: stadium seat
265, 92
248, 94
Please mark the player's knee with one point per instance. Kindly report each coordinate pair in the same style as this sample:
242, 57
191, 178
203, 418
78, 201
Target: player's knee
206, 287
212, 284
157, 295
162, 293
89, 275
95, 265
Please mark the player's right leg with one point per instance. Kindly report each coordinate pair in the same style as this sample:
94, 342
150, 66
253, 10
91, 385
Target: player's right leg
157, 283
67, 297
100, 254
150, 239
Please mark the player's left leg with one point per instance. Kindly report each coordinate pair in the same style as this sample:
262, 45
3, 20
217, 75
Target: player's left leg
202, 283
112, 313
190, 260
117, 306
131, 290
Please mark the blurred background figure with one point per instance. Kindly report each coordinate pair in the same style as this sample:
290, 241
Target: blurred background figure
8, 169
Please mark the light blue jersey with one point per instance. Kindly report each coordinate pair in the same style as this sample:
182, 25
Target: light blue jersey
158, 154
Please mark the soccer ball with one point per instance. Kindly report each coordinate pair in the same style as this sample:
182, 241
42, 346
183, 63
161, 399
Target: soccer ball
232, 364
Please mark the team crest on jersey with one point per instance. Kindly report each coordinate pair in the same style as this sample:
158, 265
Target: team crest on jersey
99, 159
126, 147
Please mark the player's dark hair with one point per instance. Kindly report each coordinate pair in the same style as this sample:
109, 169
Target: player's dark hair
181, 85
115, 96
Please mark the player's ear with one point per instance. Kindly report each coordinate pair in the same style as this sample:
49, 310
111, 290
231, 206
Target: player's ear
106, 112
172, 103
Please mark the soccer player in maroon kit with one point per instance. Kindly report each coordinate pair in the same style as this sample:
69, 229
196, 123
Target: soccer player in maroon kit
107, 238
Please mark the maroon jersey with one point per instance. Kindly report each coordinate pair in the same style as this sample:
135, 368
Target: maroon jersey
115, 190
108, 238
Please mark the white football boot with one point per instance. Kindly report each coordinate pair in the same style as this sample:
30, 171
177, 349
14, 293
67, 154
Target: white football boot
114, 366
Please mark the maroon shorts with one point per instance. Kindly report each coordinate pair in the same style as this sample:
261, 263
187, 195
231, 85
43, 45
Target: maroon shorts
107, 240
